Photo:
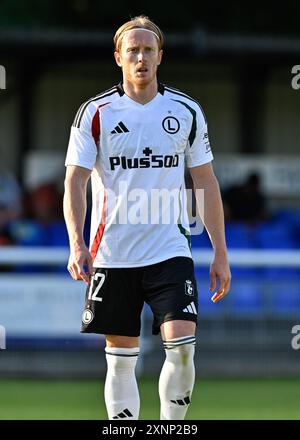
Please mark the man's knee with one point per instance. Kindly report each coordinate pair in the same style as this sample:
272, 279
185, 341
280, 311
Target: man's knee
177, 328
180, 351
186, 353
121, 341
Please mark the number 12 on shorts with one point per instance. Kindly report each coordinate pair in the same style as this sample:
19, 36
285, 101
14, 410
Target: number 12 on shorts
93, 293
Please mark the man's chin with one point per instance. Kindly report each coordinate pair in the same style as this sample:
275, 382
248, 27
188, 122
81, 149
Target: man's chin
143, 81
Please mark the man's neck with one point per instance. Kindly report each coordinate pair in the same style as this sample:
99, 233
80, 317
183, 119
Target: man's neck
141, 94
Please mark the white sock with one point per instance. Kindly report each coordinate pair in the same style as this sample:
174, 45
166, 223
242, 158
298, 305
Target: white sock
177, 378
121, 391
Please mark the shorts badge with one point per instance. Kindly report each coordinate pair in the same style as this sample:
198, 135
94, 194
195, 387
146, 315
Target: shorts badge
87, 316
189, 288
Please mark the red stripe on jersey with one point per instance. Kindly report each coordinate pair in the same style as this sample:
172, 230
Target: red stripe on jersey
96, 124
99, 233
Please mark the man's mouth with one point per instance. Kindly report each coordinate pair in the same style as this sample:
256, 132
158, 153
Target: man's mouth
142, 70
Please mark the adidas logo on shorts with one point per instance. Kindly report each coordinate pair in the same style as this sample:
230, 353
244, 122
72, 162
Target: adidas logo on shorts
191, 308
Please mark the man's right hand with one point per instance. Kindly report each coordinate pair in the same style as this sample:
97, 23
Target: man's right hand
79, 258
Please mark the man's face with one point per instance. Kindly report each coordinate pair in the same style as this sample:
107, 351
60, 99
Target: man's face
139, 57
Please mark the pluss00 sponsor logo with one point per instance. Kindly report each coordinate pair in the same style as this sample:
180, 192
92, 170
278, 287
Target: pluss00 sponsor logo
153, 161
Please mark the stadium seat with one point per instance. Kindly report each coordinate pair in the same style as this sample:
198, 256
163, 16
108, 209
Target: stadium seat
286, 215
240, 235
28, 233
290, 217
285, 297
246, 297
57, 234
275, 235
278, 273
245, 272
201, 240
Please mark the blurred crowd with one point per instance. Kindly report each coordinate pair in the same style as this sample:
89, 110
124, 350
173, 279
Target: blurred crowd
246, 201
31, 218
35, 218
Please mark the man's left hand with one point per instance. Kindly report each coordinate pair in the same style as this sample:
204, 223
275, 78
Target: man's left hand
220, 271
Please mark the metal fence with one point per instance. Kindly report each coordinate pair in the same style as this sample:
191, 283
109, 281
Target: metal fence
250, 332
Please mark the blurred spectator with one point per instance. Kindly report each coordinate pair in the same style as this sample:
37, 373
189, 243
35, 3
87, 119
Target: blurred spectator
40, 222
45, 204
246, 202
10, 204
42, 209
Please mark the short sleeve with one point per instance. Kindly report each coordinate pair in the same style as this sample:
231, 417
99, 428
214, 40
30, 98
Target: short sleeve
198, 150
82, 149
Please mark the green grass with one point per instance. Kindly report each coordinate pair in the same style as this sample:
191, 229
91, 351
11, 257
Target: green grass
212, 399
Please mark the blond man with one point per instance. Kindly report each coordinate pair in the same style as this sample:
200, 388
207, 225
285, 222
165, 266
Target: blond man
132, 140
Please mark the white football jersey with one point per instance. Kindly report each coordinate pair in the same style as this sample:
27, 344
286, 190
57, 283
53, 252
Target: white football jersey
137, 154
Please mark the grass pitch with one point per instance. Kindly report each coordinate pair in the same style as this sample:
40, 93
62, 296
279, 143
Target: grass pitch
218, 399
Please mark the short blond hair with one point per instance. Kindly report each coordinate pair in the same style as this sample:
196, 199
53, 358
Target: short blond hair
139, 22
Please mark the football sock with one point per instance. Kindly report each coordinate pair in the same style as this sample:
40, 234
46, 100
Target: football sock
177, 378
120, 390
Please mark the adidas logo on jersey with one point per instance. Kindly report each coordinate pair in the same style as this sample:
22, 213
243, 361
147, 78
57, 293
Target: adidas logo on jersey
124, 414
191, 308
120, 128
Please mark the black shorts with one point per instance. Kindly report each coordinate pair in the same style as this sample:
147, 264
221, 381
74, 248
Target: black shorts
115, 297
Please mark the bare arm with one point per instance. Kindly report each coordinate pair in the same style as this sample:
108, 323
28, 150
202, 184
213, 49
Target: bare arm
74, 212
212, 216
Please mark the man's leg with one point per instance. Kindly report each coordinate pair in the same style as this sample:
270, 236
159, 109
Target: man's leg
177, 376
121, 391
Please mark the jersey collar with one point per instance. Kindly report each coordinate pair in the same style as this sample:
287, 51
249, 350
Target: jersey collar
160, 89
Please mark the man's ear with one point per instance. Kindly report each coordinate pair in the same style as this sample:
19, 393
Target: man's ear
160, 54
118, 58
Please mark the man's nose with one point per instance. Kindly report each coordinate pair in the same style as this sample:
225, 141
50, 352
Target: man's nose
141, 55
